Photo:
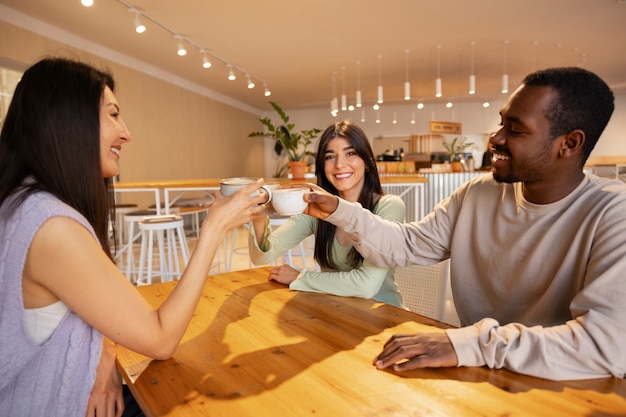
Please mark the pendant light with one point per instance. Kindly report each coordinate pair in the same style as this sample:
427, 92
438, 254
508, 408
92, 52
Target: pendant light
358, 84
181, 48
380, 80
266, 90
407, 84
250, 81
505, 76
344, 100
438, 80
206, 63
472, 77
334, 107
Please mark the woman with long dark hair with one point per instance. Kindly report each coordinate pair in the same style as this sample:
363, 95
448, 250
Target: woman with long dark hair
62, 299
344, 166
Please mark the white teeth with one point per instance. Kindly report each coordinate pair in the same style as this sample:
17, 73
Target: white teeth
115, 151
500, 157
341, 176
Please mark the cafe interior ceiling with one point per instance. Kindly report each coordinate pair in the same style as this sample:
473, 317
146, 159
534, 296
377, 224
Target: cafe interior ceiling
308, 52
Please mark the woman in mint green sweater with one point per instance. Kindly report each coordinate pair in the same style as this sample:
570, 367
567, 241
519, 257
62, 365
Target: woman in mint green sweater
345, 166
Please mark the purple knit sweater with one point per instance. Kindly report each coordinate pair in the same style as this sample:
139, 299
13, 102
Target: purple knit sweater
54, 379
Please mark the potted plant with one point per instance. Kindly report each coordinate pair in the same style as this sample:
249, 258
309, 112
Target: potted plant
455, 150
287, 141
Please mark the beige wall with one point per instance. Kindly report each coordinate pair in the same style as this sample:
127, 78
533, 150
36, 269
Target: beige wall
176, 133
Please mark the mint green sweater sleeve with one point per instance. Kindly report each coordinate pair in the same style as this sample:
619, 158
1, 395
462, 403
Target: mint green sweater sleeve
366, 281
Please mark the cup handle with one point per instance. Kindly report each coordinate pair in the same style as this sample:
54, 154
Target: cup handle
268, 193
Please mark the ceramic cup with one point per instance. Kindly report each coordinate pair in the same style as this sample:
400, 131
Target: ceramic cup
229, 186
289, 201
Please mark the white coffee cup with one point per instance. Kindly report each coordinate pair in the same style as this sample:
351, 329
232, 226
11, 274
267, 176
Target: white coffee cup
229, 186
289, 201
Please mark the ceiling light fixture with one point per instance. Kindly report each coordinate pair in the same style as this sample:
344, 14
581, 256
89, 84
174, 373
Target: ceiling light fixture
413, 118
407, 84
380, 80
362, 115
250, 81
231, 73
266, 91
505, 76
395, 118
344, 99
208, 58
420, 106
139, 27
472, 77
86, 3
334, 106
438, 80
377, 116
181, 48
358, 84
205, 60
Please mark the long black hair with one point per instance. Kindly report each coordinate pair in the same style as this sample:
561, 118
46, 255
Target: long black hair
51, 134
370, 194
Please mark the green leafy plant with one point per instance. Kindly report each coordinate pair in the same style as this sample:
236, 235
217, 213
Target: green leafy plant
456, 148
293, 144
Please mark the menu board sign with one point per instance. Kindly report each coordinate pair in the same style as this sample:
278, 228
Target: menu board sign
445, 127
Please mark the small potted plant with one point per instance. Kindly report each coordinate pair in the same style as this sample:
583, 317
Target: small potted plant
455, 151
287, 141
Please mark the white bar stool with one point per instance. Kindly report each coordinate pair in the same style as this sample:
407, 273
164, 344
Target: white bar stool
170, 237
131, 235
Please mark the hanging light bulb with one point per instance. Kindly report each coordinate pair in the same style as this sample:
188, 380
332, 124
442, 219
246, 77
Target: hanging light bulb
358, 85
449, 104
344, 99
438, 80
413, 118
181, 48
377, 116
266, 91
505, 76
420, 106
363, 116
472, 77
250, 81
205, 60
86, 3
231, 73
407, 84
334, 106
380, 80
395, 118
139, 27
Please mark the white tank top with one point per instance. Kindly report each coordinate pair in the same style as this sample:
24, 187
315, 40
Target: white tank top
42, 322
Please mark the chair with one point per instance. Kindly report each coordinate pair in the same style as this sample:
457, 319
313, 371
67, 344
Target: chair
423, 288
170, 236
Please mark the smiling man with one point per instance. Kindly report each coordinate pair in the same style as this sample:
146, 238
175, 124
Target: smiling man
537, 250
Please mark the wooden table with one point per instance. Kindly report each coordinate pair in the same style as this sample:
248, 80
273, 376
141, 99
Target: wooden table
256, 348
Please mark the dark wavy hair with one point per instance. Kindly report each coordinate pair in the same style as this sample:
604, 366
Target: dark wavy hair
583, 102
370, 194
51, 133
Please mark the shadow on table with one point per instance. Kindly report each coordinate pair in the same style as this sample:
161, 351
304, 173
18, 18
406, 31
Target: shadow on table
319, 325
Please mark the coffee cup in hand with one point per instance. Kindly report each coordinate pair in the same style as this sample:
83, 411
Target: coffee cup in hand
229, 186
289, 201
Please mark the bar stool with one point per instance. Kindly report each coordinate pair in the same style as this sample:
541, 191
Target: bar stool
130, 219
170, 237
120, 211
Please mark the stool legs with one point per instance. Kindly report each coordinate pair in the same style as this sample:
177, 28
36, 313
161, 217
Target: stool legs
170, 239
